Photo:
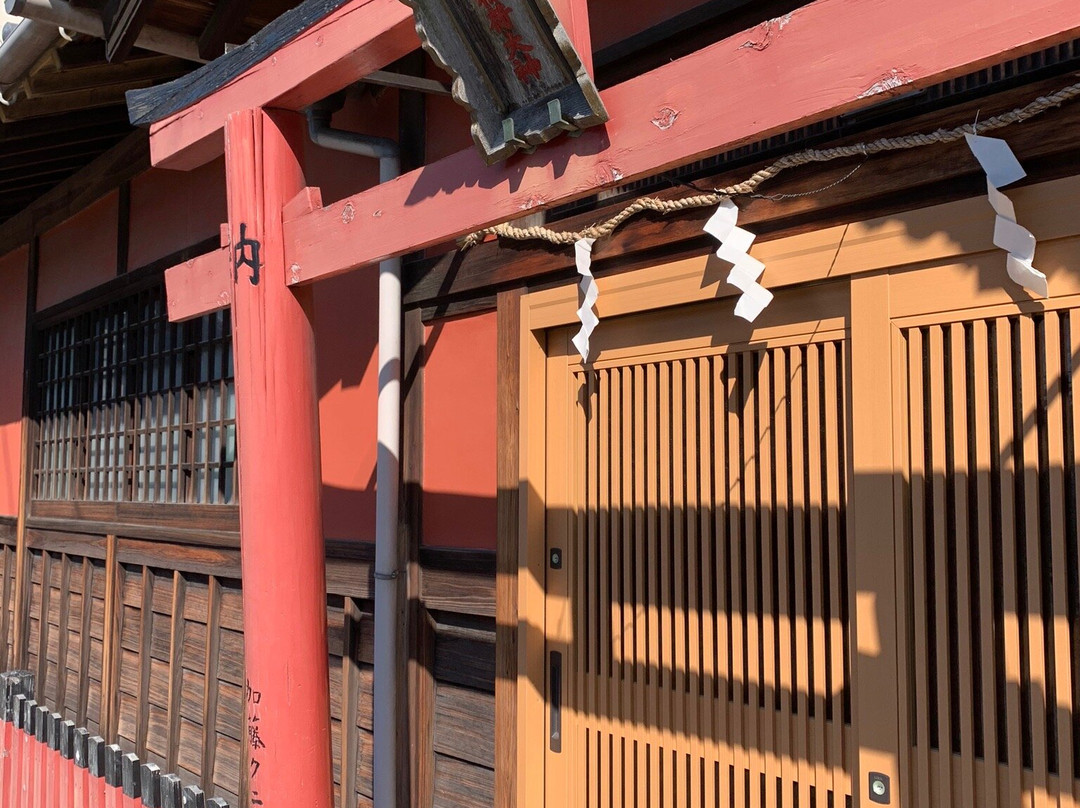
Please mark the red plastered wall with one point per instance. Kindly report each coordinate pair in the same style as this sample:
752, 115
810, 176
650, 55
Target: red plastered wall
459, 481
171, 210
13, 271
346, 335
78, 254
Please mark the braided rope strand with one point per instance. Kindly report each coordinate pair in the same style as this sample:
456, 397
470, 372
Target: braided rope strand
750, 185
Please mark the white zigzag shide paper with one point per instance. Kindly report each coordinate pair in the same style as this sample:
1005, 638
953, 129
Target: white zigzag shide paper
1002, 168
735, 245
589, 294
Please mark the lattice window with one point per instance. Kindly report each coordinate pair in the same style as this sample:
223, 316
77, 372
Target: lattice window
133, 408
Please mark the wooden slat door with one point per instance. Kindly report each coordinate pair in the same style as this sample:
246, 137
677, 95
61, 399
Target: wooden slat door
991, 409
698, 579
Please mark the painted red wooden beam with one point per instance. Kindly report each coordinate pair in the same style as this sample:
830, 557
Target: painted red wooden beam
199, 286
574, 16
360, 37
281, 538
824, 59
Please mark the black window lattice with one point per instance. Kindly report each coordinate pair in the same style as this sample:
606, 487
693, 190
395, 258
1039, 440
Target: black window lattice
133, 408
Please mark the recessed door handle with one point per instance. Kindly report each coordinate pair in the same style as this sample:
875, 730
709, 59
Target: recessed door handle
555, 698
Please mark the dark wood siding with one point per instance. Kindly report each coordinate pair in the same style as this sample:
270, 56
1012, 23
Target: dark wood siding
155, 662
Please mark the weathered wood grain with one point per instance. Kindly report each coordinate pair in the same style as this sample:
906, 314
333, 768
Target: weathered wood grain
465, 724
187, 120
507, 420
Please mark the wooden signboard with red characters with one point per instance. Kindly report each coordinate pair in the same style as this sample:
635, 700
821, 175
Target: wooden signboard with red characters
515, 70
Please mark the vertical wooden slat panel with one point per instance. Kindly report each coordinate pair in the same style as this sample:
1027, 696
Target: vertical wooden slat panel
603, 613
63, 634
833, 466
816, 506
111, 643
176, 671
942, 709
723, 713
84, 642
43, 624
508, 512
919, 482
615, 575
667, 660
749, 544
628, 601
593, 544
578, 657
980, 355
639, 498
691, 571
958, 415
782, 469
1007, 454
1036, 660
679, 605
146, 636
211, 688
736, 581
1055, 440
653, 504
766, 505
425, 708
800, 517
1072, 347
6, 595
705, 570
911, 755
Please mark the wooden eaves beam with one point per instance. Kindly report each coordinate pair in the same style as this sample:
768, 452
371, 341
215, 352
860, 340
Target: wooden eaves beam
225, 20
829, 57
357, 38
123, 20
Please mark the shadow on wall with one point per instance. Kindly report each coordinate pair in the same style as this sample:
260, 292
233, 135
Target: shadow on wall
458, 366
705, 589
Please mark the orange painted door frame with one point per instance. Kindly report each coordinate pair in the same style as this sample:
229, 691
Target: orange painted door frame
287, 700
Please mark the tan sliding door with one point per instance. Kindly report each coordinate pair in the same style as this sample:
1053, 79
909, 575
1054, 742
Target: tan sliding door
697, 580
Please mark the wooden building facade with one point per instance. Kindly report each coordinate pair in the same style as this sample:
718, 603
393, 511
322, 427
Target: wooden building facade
718, 563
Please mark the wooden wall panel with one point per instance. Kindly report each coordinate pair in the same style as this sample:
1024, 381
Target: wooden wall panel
991, 411
7, 593
176, 696
463, 736
176, 635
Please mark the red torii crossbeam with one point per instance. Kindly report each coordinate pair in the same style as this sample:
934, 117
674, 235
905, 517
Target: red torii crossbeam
828, 57
357, 39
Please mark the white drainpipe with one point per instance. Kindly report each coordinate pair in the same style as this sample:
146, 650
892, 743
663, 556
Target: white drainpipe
388, 465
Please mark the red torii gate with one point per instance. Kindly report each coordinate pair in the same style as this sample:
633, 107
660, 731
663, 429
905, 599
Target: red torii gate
829, 57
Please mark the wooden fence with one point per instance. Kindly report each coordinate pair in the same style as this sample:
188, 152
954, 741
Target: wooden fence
142, 643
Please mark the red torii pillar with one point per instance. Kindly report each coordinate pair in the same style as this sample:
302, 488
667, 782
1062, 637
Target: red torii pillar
281, 538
